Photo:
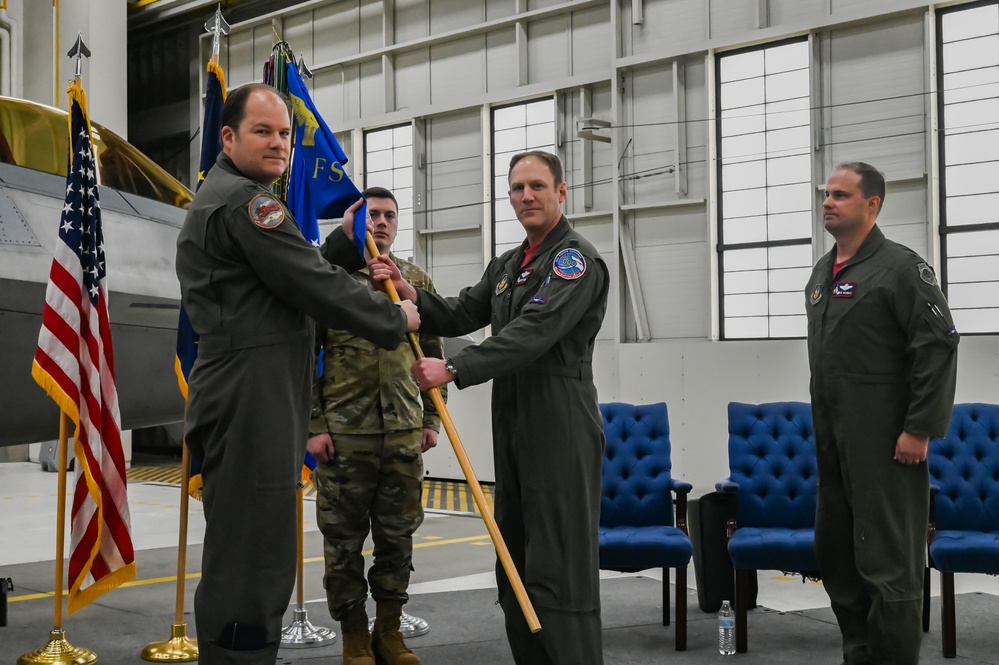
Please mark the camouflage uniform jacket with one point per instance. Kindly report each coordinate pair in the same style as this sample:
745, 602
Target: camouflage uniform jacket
368, 390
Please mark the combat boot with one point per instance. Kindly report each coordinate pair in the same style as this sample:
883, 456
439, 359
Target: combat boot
356, 639
387, 640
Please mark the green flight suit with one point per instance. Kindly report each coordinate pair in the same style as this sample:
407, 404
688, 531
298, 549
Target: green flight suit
249, 285
548, 434
883, 355
369, 403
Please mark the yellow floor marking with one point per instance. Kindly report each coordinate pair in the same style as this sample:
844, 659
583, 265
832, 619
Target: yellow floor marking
192, 576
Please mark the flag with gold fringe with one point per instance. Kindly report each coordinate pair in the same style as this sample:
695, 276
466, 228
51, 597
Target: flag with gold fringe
211, 146
74, 363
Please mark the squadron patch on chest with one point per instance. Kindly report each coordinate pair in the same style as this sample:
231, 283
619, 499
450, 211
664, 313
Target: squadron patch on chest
266, 211
502, 285
843, 290
926, 274
524, 275
569, 264
817, 293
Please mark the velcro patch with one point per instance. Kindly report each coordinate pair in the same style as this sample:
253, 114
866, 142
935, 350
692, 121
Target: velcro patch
926, 274
524, 275
569, 264
843, 290
266, 211
536, 300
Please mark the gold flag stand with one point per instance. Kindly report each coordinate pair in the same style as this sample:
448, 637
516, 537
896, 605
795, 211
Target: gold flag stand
179, 648
58, 651
300, 633
466, 467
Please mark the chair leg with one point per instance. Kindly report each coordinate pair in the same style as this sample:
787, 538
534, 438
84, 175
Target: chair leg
926, 599
947, 615
665, 596
741, 602
681, 608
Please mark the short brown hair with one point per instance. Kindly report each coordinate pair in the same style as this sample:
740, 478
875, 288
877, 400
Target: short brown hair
380, 193
234, 109
872, 181
553, 162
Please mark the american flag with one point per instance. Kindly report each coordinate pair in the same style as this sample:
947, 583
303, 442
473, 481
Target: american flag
74, 363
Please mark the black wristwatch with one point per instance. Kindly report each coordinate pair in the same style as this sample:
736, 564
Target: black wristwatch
449, 366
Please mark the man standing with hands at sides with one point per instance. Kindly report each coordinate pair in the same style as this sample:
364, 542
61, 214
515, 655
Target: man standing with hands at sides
370, 428
250, 283
882, 348
545, 301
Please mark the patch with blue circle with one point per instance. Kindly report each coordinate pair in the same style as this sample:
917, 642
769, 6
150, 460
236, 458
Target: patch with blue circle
569, 264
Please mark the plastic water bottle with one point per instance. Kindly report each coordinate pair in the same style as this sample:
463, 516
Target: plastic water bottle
726, 630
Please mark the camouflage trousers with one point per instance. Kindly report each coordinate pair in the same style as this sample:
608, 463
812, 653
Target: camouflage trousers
374, 483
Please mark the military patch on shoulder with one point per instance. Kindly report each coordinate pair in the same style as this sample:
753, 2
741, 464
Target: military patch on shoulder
569, 264
926, 274
266, 211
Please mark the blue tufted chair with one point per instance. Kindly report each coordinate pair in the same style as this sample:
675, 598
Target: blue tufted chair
637, 530
964, 511
771, 454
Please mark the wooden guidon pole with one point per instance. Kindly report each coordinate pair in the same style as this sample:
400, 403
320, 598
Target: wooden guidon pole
466, 467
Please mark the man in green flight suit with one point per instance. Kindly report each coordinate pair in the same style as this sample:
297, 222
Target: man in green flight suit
250, 283
370, 428
545, 301
882, 348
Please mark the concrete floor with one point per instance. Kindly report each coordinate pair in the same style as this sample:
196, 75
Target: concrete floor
452, 588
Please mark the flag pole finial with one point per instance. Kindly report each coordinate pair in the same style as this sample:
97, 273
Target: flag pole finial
303, 69
79, 51
216, 25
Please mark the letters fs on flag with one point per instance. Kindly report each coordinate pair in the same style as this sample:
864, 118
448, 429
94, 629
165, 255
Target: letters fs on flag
74, 363
318, 187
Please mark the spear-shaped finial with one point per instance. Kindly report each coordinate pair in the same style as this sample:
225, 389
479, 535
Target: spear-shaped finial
303, 69
217, 26
79, 51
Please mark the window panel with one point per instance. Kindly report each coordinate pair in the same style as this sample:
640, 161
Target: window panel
745, 203
790, 226
980, 209
748, 304
509, 116
388, 163
982, 51
747, 327
745, 175
789, 198
744, 229
747, 281
741, 66
787, 113
967, 116
787, 57
788, 85
789, 326
982, 178
970, 148
740, 94
971, 84
767, 196
745, 259
529, 126
975, 243
983, 320
969, 296
788, 170
785, 303
972, 269
743, 148
789, 279
971, 23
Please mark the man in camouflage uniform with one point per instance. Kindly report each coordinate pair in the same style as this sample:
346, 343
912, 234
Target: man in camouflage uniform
369, 430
